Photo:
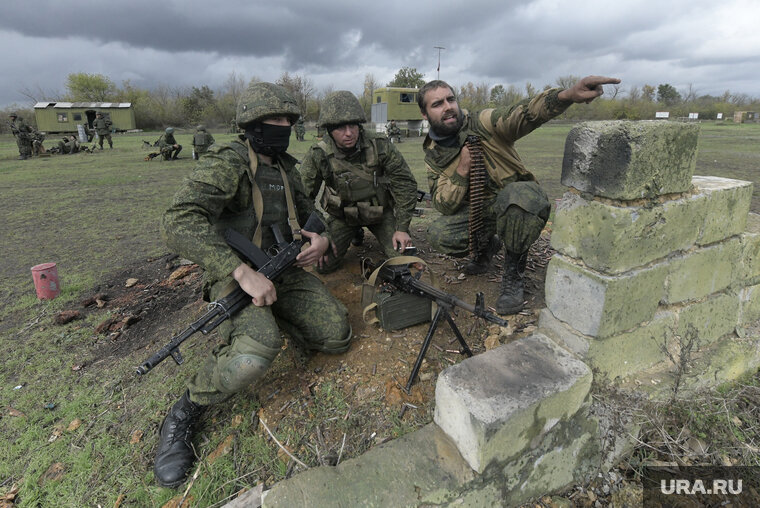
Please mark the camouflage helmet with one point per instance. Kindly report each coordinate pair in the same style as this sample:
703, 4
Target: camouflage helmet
98, 113
340, 108
261, 100
170, 130
201, 128
13, 115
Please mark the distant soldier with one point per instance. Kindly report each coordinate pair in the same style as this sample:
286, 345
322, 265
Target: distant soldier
23, 134
69, 144
37, 139
102, 126
88, 133
393, 131
201, 141
300, 129
170, 149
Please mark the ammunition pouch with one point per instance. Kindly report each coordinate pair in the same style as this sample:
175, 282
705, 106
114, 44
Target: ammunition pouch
393, 308
361, 213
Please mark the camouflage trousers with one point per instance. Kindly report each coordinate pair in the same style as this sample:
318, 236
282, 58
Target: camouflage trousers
24, 146
517, 215
107, 136
305, 310
341, 235
169, 152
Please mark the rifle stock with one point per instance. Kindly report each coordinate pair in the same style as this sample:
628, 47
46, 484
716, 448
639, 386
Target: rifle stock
283, 255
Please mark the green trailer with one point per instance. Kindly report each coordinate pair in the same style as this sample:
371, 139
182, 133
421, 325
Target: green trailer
399, 104
63, 117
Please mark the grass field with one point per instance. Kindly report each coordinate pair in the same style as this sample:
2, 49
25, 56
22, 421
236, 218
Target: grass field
98, 214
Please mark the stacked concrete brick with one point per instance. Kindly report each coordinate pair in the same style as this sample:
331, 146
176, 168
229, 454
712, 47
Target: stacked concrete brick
650, 255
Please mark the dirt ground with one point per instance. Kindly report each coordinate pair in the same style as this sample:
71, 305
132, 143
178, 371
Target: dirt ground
167, 297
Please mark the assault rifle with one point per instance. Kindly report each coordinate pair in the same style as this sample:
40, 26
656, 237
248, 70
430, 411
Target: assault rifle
402, 279
271, 264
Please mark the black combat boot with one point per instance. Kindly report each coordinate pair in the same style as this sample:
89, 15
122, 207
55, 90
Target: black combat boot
482, 260
175, 455
358, 239
511, 297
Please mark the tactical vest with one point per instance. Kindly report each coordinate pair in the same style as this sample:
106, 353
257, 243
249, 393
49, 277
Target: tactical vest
357, 192
200, 139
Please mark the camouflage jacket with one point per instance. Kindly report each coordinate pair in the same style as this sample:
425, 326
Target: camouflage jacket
166, 140
102, 126
498, 130
402, 186
20, 129
218, 195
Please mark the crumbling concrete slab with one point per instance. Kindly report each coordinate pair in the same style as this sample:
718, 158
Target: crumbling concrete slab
627, 160
496, 405
419, 468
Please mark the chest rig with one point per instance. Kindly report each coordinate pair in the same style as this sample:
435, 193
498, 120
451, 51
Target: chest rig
273, 188
356, 192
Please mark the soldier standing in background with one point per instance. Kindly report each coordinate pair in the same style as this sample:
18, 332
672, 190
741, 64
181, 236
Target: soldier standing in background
393, 131
367, 181
102, 127
247, 185
169, 147
201, 141
515, 208
300, 129
23, 134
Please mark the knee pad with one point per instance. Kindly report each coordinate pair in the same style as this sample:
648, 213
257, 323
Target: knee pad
337, 346
240, 371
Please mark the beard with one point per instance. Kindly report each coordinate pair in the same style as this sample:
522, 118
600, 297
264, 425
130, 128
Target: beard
443, 130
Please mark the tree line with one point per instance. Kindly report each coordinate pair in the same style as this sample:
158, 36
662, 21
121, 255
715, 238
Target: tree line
165, 106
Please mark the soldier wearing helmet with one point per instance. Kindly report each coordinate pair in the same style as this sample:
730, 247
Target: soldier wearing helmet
24, 135
367, 181
201, 141
169, 147
247, 185
102, 126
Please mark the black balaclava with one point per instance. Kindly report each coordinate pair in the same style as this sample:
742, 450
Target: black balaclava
268, 139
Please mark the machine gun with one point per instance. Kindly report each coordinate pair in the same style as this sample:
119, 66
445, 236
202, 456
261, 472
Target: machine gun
271, 264
402, 279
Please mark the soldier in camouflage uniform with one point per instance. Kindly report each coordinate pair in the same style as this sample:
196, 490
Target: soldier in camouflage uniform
69, 144
393, 131
169, 147
24, 135
201, 141
102, 127
300, 129
241, 185
367, 181
516, 208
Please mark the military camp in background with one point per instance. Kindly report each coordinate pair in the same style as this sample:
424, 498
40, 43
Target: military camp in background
63, 117
399, 104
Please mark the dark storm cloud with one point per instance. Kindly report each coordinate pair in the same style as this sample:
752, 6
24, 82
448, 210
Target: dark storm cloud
336, 43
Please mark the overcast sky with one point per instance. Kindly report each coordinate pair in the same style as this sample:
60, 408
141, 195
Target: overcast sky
712, 45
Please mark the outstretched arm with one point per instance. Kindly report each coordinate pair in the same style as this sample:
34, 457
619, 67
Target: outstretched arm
587, 89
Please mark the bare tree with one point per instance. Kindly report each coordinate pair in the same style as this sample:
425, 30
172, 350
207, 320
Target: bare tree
302, 88
37, 94
567, 81
634, 94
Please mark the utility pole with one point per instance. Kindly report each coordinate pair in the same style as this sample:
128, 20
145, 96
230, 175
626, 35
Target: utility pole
439, 48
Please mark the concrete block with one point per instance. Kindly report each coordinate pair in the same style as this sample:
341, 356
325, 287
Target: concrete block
620, 355
603, 305
750, 305
627, 160
496, 405
703, 271
710, 319
615, 239
750, 240
728, 206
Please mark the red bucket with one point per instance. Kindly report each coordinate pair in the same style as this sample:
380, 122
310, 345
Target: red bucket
46, 281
